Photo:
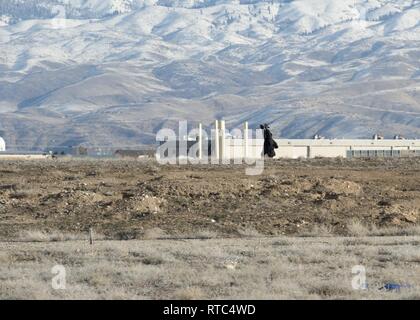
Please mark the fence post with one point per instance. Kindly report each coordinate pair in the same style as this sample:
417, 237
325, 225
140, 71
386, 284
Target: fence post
91, 236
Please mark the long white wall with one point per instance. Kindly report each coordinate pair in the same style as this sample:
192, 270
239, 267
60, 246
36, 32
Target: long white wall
311, 148
308, 148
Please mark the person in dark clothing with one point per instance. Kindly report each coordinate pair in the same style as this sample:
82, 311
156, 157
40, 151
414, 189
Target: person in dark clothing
269, 143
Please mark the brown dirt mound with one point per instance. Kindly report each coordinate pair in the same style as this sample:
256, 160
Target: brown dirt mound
126, 198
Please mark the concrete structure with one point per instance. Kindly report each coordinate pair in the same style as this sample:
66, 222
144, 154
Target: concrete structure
223, 139
2, 145
200, 141
226, 147
245, 137
23, 155
19, 155
216, 138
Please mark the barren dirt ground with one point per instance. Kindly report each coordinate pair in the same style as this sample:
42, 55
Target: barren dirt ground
124, 199
296, 231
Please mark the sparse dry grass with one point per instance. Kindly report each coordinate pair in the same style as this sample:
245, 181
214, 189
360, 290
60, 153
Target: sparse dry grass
395, 231
53, 236
191, 293
43, 236
318, 231
154, 233
254, 268
357, 229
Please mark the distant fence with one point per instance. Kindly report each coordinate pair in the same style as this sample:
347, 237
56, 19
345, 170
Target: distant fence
383, 153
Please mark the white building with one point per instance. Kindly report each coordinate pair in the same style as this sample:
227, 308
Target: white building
346, 148
239, 144
2, 145
228, 147
18, 155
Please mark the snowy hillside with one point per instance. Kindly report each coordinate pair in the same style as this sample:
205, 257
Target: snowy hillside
113, 72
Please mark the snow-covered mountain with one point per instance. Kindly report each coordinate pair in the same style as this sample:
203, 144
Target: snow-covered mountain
113, 72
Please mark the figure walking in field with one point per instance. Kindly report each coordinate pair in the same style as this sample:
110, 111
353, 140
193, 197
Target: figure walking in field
269, 143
